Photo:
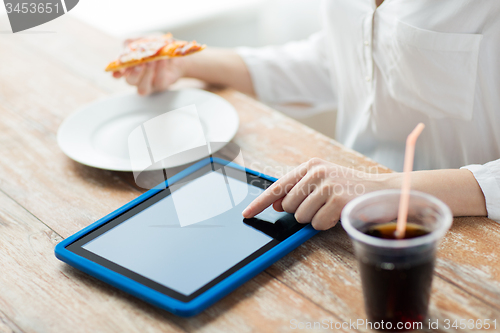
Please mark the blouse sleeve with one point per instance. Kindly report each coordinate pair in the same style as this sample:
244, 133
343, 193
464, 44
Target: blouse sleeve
296, 73
488, 178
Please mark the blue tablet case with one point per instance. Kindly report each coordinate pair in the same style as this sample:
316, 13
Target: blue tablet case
158, 299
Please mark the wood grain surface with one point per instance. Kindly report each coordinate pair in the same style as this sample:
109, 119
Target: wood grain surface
45, 197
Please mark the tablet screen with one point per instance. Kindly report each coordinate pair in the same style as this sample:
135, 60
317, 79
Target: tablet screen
190, 236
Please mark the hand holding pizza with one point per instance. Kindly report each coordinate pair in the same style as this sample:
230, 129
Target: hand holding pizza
153, 63
154, 76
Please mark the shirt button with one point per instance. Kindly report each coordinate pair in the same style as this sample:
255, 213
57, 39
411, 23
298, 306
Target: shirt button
368, 79
367, 43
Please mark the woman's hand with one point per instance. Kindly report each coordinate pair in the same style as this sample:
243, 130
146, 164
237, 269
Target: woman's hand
317, 191
153, 76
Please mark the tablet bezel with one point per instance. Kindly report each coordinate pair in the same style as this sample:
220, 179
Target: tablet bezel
71, 251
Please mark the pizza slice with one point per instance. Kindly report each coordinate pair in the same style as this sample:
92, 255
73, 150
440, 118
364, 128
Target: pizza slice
153, 48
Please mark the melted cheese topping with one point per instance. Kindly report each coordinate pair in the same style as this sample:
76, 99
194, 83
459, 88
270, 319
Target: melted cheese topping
144, 48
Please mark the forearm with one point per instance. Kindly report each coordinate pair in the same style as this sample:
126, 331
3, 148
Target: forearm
456, 187
220, 67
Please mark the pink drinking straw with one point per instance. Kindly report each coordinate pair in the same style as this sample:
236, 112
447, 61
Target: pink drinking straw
405, 188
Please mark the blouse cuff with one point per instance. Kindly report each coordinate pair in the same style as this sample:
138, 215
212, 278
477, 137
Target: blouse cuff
489, 181
259, 72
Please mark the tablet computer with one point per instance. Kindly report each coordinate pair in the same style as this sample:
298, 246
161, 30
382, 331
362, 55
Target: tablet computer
184, 244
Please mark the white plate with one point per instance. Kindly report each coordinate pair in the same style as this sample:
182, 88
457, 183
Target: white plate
97, 134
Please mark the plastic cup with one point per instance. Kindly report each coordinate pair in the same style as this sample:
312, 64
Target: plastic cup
396, 274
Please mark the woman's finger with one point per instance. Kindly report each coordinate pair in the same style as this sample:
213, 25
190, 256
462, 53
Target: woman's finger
310, 206
134, 75
118, 74
298, 193
277, 205
327, 216
276, 191
160, 81
145, 85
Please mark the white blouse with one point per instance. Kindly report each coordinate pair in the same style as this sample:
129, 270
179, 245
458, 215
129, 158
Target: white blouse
386, 69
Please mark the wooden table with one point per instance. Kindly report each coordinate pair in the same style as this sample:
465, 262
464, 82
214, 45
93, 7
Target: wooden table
45, 197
